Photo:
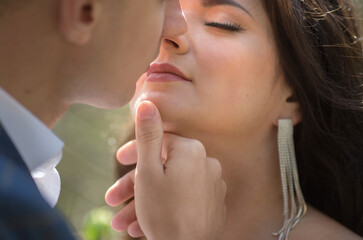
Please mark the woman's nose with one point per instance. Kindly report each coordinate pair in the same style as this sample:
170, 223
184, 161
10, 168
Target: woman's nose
178, 45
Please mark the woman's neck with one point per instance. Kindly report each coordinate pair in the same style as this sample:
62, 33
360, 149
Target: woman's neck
254, 195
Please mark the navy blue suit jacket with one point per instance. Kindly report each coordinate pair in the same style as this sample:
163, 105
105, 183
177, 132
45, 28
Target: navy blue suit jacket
24, 214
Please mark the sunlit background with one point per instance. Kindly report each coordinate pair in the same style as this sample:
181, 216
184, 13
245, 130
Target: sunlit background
87, 169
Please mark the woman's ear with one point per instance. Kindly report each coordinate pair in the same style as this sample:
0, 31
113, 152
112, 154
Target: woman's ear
290, 110
289, 106
77, 19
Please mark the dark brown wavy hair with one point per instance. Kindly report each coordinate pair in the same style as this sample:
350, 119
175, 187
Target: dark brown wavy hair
320, 52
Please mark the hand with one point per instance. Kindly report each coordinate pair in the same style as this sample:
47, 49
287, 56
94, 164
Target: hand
181, 197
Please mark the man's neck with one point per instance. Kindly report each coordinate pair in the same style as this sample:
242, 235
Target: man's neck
29, 63
41, 99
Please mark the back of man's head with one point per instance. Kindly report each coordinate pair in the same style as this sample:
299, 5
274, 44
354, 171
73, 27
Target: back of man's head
7, 5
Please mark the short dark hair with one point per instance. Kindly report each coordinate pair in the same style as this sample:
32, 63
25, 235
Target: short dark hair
6, 5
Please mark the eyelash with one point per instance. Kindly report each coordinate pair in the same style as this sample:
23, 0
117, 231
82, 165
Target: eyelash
233, 27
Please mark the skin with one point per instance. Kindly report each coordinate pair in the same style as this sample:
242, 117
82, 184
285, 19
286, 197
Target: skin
82, 65
59, 52
241, 68
173, 200
236, 95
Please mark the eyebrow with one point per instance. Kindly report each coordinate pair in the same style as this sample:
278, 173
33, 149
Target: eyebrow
211, 3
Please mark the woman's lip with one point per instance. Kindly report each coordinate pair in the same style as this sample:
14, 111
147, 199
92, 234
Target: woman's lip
165, 72
164, 77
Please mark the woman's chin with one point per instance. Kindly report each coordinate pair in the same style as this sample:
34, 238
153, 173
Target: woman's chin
168, 105
177, 115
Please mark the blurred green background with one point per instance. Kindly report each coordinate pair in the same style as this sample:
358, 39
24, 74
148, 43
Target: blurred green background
87, 169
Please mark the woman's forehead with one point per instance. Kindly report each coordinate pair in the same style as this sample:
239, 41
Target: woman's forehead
251, 7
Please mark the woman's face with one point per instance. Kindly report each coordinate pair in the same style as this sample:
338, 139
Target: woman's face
229, 59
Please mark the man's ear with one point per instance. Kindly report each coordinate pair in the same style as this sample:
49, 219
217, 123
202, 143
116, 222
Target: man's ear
77, 19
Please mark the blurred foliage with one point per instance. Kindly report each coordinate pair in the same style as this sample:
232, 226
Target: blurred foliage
97, 226
87, 169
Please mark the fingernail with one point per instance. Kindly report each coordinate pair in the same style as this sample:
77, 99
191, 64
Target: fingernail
145, 110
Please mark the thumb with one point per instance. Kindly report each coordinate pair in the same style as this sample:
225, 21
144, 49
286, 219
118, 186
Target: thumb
149, 137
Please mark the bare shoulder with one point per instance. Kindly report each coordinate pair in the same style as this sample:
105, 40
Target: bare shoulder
317, 226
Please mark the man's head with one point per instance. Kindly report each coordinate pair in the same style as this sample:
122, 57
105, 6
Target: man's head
91, 51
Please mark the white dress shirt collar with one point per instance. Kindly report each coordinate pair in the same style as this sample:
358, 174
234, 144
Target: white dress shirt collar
39, 147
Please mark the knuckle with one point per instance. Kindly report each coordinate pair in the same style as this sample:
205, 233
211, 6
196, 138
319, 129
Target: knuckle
224, 187
197, 148
216, 166
149, 135
215, 163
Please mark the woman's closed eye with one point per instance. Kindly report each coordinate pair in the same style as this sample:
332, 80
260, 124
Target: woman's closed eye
228, 26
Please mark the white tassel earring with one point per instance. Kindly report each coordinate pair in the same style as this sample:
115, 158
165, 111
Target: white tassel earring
294, 204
